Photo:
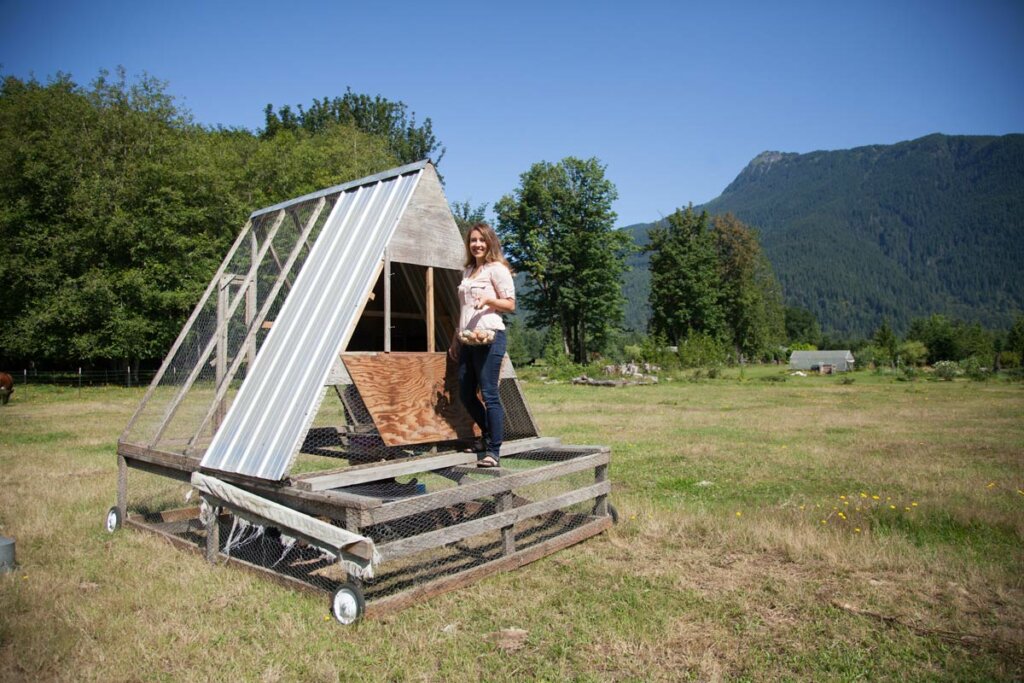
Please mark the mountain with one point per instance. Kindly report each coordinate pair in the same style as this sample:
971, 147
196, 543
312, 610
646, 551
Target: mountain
933, 225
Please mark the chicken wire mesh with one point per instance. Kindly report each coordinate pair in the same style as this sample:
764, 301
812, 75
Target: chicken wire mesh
230, 324
429, 544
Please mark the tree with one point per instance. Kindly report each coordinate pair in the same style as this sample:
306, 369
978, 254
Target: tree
886, 342
558, 229
115, 209
686, 285
802, 326
465, 215
376, 116
1015, 338
751, 297
936, 332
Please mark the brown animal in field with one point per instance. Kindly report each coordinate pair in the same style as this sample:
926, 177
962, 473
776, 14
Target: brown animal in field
6, 388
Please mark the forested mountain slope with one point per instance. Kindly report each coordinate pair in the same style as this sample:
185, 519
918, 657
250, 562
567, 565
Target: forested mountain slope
933, 225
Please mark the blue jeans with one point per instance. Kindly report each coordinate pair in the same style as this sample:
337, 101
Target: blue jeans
479, 368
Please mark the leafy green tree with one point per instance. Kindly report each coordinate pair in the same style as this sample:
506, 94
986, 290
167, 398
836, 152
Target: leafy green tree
376, 116
886, 342
912, 352
686, 285
558, 229
802, 326
466, 215
115, 209
751, 297
937, 333
1015, 338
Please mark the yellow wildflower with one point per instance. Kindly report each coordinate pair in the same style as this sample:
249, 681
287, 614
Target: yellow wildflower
892, 507
863, 495
842, 497
874, 497
913, 504
857, 530
739, 514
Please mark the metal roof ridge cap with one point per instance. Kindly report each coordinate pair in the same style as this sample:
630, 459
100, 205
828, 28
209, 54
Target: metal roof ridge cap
368, 180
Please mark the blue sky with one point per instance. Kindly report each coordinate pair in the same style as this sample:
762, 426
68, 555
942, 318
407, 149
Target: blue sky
674, 97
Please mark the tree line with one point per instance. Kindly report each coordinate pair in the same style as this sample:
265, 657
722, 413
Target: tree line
116, 207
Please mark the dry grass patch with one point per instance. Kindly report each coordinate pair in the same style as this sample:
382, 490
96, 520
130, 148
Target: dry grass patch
683, 588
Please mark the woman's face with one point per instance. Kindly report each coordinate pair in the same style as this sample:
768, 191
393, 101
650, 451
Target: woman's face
477, 245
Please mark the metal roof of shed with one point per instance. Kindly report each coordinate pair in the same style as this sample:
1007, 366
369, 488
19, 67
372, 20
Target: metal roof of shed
279, 397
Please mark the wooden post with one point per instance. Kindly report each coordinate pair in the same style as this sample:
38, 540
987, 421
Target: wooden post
508, 534
387, 300
122, 486
221, 363
251, 303
212, 532
430, 309
601, 475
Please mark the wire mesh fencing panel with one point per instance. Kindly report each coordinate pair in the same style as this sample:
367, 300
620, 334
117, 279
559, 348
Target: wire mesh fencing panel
488, 521
228, 328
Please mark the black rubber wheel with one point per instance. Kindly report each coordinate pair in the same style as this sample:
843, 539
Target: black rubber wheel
113, 520
348, 603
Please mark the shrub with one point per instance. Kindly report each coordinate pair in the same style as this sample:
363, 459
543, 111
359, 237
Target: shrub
702, 350
973, 368
846, 380
947, 370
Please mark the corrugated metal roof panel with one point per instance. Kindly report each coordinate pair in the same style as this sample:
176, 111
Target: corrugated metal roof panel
276, 403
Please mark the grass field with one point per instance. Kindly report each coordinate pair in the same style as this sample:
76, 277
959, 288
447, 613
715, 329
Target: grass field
799, 529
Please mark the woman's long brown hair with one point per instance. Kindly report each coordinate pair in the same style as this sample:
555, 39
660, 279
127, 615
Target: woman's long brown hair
493, 253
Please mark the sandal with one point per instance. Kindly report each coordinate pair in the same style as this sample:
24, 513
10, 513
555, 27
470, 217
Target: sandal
488, 461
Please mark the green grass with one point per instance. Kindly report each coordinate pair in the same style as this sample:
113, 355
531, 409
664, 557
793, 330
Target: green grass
732, 560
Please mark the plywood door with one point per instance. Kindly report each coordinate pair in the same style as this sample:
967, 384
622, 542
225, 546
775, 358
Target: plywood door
413, 398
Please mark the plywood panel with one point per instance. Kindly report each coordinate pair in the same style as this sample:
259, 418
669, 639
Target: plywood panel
412, 397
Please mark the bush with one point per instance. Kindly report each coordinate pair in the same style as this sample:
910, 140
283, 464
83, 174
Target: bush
1009, 359
912, 352
973, 368
947, 370
702, 350
846, 380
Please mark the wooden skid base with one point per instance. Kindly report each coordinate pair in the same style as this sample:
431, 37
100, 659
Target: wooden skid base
399, 601
392, 603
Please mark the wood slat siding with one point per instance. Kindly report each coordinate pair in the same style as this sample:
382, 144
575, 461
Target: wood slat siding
466, 492
412, 397
376, 472
427, 234
386, 469
441, 537
393, 603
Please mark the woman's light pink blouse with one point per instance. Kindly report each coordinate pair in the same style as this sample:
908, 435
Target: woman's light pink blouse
493, 281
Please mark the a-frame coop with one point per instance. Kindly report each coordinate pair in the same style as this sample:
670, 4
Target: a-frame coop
310, 401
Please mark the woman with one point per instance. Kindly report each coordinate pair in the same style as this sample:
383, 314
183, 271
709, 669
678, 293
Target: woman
486, 291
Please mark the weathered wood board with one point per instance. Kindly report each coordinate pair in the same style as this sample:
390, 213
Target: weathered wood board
412, 397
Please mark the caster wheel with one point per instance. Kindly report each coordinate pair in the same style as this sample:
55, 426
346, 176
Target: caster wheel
113, 521
347, 603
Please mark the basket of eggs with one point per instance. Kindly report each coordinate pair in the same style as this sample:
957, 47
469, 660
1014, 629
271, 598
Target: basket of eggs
476, 337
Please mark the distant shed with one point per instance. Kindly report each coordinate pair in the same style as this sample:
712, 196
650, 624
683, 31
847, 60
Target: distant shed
841, 361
